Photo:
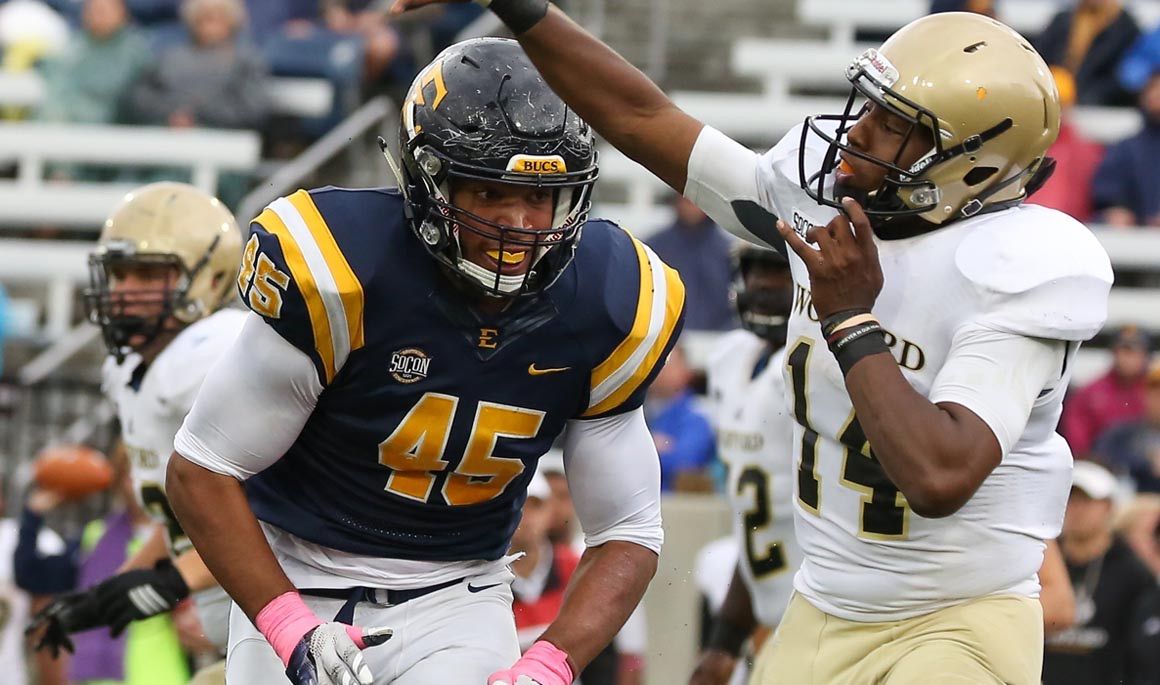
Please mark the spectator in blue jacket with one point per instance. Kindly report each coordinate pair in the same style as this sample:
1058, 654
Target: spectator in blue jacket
682, 434
699, 250
1126, 187
1089, 40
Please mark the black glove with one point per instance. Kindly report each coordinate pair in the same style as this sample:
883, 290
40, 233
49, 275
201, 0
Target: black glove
134, 595
71, 613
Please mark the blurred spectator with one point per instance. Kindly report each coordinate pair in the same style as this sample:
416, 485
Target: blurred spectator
365, 19
89, 81
699, 250
1055, 591
1140, 62
17, 604
149, 651
30, 30
1115, 397
682, 434
542, 576
1070, 187
1089, 41
1133, 448
3, 325
1126, 187
984, 7
1109, 583
1139, 525
1145, 641
215, 80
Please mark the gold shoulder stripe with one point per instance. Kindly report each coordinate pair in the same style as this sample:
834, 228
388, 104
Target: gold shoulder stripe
349, 287
639, 324
660, 300
319, 323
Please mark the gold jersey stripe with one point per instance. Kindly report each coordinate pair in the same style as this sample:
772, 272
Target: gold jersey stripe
639, 324
319, 323
349, 287
674, 303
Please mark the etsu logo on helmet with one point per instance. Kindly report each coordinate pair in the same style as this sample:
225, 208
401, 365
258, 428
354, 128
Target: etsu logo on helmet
537, 164
409, 365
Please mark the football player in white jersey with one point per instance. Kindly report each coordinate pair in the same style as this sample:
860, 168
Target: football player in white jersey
164, 266
936, 317
754, 437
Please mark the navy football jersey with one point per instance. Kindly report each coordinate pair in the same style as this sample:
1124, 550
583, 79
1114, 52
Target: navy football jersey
433, 414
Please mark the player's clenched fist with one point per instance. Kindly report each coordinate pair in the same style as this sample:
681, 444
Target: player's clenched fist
845, 273
317, 653
543, 664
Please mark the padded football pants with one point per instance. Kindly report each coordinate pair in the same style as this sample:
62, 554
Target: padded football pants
460, 634
996, 640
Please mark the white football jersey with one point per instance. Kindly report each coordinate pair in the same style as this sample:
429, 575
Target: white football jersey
755, 440
151, 405
1024, 271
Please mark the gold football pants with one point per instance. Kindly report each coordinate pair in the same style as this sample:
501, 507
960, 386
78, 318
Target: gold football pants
988, 641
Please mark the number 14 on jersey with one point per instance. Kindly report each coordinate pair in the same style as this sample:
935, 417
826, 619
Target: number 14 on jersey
883, 513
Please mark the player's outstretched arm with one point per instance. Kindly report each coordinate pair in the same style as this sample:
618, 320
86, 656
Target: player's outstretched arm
732, 626
227, 535
614, 477
221, 444
621, 103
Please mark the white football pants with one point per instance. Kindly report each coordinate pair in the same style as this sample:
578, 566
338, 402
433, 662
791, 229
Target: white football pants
452, 635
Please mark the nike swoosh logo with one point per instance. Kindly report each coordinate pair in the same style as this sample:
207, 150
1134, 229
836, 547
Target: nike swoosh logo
533, 371
481, 588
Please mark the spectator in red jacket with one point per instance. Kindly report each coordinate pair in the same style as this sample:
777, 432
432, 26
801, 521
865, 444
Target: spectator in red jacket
1115, 397
1070, 188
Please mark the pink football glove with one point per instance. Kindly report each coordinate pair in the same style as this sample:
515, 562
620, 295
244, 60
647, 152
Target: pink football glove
543, 664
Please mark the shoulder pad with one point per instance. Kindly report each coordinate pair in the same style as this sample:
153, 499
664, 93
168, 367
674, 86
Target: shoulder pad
296, 276
184, 363
1040, 272
643, 302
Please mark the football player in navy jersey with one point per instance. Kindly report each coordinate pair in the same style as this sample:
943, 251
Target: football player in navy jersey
356, 465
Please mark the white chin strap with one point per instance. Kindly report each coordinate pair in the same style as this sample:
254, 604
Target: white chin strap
487, 277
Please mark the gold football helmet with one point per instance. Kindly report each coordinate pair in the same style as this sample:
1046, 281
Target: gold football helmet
984, 93
173, 229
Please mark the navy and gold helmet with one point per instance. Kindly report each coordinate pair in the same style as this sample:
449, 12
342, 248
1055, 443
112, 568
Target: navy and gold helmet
481, 111
763, 307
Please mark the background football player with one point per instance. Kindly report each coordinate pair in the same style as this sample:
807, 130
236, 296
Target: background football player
411, 355
165, 264
754, 434
939, 319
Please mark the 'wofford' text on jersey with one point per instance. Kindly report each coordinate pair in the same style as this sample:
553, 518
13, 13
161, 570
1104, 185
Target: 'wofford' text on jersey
906, 353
